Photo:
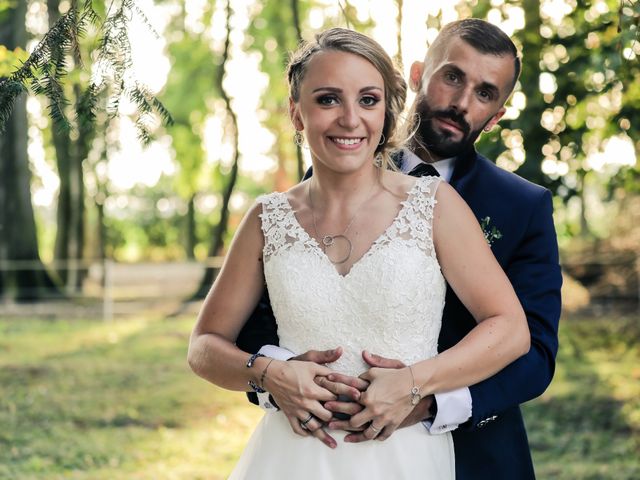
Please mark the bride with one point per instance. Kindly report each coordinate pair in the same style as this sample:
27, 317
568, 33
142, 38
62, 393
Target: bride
355, 256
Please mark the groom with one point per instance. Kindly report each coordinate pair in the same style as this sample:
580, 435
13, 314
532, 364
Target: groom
466, 77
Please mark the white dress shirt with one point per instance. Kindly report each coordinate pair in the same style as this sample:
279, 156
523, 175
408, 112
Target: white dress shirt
454, 407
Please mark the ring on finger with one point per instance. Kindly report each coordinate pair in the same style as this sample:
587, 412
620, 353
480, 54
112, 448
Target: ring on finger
376, 430
303, 423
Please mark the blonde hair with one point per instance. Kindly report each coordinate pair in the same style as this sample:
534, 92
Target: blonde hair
350, 41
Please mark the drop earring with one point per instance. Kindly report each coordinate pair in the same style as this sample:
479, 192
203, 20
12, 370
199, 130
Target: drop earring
298, 139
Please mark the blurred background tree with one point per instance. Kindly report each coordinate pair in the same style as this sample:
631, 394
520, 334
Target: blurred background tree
572, 124
21, 282
80, 65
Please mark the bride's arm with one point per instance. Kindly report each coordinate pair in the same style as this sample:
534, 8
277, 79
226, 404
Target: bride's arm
213, 354
500, 336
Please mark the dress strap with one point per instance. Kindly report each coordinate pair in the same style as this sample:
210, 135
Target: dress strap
418, 217
280, 227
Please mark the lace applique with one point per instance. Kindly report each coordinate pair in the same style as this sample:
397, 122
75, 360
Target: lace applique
414, 223
280, 227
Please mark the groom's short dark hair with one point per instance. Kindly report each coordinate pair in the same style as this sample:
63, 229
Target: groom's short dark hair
484, 37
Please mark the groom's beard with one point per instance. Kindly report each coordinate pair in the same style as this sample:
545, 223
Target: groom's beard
440, 142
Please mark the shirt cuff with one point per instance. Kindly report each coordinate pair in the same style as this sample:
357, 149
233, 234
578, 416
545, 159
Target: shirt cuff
266, 402
454, 408
279, 353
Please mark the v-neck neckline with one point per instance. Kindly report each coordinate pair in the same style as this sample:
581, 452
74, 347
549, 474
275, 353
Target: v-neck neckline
404, 204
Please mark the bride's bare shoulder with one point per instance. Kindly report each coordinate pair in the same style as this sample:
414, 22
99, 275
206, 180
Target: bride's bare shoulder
297, 195
397, 183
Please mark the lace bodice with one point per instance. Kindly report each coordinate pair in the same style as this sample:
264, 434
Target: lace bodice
389, 303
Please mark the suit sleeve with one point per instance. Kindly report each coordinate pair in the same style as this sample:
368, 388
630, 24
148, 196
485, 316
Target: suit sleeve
259, 330
535, 275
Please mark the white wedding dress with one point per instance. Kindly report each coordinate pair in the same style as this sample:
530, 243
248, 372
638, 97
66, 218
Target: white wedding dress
389, 303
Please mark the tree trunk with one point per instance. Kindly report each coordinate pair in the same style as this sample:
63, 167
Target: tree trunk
25, 278
535, 136
63, 211
217, 238
582, 195
69, 243
102, 230
295, 8
191, 229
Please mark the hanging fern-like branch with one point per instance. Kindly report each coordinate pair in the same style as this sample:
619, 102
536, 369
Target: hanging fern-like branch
45, 70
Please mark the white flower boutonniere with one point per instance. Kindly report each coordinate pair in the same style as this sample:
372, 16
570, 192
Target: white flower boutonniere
491, 233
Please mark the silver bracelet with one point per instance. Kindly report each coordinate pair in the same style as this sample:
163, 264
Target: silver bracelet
415, 391
264, 374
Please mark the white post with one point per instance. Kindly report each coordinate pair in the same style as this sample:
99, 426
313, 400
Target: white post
107, 291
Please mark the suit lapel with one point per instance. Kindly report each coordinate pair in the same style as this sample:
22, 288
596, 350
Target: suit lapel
463, 170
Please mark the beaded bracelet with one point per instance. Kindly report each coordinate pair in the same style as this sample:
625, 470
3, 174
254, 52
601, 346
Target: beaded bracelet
254, 386
252, 359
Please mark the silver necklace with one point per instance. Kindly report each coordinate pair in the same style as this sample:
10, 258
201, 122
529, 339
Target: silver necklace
330, 240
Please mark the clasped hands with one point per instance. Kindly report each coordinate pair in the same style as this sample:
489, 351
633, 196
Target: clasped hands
315, 399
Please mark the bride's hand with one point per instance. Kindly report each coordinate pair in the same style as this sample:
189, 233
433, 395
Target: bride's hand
387, 402
419, 413
293, 388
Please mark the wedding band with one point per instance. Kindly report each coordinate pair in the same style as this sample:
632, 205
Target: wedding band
303, 423
377, 430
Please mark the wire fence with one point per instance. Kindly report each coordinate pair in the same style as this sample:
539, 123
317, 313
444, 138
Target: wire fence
105, 289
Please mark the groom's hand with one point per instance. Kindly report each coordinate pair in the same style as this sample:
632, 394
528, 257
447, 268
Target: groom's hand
344, 386
419, 413
320, 356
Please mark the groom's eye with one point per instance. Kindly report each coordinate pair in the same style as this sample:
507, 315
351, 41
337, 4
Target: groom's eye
485, 95
451, 77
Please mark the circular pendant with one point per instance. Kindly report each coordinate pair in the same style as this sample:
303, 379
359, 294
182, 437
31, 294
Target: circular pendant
343, 239
327, 240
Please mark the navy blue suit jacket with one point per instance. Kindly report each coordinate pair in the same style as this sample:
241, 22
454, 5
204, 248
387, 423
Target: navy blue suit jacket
493, 444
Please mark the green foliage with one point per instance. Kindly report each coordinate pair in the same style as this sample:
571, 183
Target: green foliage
10, 58
47, 65
194, 68
587, 54
46, 69
142, 230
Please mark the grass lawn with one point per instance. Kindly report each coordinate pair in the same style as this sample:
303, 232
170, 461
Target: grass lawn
92, 400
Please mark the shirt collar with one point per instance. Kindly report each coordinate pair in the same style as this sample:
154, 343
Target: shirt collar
410, 160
